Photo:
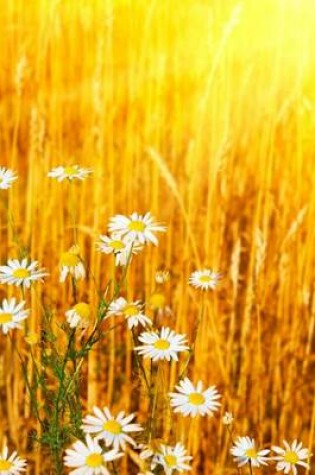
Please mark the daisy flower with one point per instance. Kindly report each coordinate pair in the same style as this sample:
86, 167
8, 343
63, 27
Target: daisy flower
79, 315
193, 400
227, 419
7, 176
163, 345
157, 302
149, 452
204, 279
70, 263
89, 458
11, 314
121, 247
173, 458
132, 311
21, 273
136, 227
31, 338
11, 465
245, 451
162, 276
290, 456
113, 430
72, 172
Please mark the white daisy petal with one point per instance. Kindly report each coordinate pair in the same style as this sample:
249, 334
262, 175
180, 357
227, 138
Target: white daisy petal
7, 177
12, 465
89, 458
136, 227
21, 273
161, 346
290, 456
205, 279
244, 451
172, 458
113, 430
72, 172
132, 311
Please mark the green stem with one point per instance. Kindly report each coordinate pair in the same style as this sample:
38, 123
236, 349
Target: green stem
194, 338
153, 405
232, 440
140, 365
31, 392
57, 442
73, 212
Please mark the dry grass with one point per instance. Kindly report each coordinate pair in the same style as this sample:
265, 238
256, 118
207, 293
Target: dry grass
202, 112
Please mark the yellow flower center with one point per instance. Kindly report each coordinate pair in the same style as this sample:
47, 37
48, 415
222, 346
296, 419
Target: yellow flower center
157, 300
117, 245
1, 180
5, 318
94, 460
112, 426
70, 171
291, 457
170, 460
21, 273
162, 344
205, 278
136, 226
196, 399
251, 453
69, 259
131, 310
32, 338
83, 310
5, 465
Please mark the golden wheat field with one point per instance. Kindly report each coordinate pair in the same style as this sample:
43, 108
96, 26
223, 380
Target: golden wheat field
202, 113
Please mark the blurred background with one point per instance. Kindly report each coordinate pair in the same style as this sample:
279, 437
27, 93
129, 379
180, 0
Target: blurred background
202, 112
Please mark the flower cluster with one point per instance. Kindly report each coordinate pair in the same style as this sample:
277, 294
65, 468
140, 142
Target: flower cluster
107, 435
287, 458
128, 235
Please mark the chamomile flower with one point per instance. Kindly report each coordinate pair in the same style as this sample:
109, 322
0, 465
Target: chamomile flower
194, 400
163, 345
11, 465
12, 314
7, 176
89, 458
290, 456
79, 315
162, 276
121, 247
136, 227
132, 311
144, 463
21, 273
227, 419
204, 279
244, 451
173, 458
32, 338
113, 430
72, 172
157, 302
71, 263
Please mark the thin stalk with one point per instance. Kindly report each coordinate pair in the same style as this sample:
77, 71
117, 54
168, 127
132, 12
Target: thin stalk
194, 338
34, 404
153, 405
73, 212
